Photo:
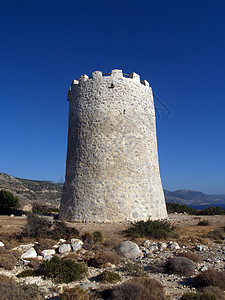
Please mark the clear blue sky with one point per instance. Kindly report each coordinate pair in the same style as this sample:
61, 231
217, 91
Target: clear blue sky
178, 46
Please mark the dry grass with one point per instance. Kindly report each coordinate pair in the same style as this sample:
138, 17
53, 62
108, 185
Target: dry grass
190, 255
7, 261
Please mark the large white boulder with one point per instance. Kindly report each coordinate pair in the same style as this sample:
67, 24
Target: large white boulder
130, 250
30, 253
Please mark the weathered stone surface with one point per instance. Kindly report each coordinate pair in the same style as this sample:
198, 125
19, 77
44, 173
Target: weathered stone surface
24, 247
48, 252
76, 244
130, 250
88, 285
173, 246
30, 253
112, 171
47, 257
64, 248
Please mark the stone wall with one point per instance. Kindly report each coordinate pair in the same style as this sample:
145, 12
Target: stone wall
112, 171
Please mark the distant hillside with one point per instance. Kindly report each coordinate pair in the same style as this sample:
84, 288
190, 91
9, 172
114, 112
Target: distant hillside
47, 192
31, 191
191, 197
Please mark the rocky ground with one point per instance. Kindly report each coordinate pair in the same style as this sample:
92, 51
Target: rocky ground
151, 254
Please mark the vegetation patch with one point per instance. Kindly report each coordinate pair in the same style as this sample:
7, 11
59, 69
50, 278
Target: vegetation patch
180, 265
217, 234
210, 277
39, 227
192, 256
97, 237
152, 229
134, 269
76, 293
8, 202
62, 270
203, 223
109, 276
7, 261
179, 208
136, 289
10, 289
27, 273
198, 296
102, 258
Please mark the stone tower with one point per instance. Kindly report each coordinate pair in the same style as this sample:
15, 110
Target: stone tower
112, 170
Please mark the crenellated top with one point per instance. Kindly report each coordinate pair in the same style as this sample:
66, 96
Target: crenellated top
114, 74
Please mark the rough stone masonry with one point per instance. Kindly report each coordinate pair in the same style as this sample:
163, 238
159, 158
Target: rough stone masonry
112, 170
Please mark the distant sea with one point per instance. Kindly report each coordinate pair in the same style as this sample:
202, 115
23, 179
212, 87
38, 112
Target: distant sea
208, 205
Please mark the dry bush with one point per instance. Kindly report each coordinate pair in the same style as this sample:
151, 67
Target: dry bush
210, 277
216, 234
134, 269
34, 263
71, 255
16, 253
87, 236
215, 291
75, 293
3, 250
102, 258
7, 261
44, 244
180, 265
198, 296
109, 276
136, 289
190, 255
11, 290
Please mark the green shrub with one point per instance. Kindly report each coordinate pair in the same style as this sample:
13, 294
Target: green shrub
8, 201
198, 296
39, 227
97, 237
151, 229
180, 265
210, 277
76, 293
179, 208
203, 223
11, 290
102, 258
44, 209
62, 270
27, 273
212, 210
109, 276
136, 289
134, 269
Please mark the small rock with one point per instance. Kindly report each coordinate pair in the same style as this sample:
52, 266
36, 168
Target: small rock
76, 244
201, 248
153, 248
62, 241
173, 246
47, 257
130, 250
12, 216
162, 245
88, 285
2, 244
30, 253
48, 252
64, 248
147, 243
